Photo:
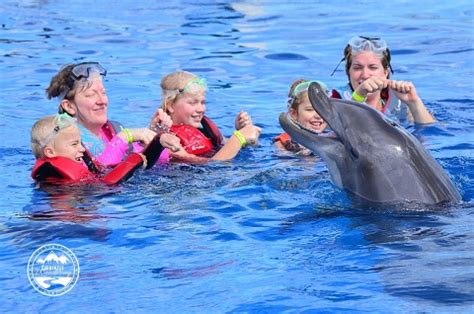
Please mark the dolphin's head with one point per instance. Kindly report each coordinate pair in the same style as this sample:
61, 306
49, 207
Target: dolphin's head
359, 127
325, 145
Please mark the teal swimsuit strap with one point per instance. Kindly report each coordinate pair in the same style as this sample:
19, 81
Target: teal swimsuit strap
91, 142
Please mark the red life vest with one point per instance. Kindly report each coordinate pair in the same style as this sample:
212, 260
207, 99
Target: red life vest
283, 138
199, 142
62, 170
287, 142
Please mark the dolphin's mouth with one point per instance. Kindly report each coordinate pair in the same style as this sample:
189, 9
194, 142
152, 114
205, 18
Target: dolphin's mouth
299, 125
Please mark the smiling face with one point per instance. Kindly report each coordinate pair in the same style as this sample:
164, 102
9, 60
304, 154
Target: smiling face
89, 105
67, 143
307, 116
188, 109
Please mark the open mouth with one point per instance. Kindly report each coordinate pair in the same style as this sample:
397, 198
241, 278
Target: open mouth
325, 133
316, 124
197, 118
301, 126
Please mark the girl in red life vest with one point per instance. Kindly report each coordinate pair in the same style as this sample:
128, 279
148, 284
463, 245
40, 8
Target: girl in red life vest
301, 110
60, 156
183, 99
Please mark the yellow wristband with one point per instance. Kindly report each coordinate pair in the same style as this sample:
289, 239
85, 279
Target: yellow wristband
129, 135
357, 97
241, 138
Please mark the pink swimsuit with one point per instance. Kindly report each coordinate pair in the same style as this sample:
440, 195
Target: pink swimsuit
112, 149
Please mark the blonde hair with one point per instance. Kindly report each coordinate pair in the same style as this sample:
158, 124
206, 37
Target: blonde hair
171, 84
43, 131
40, 132
295, 101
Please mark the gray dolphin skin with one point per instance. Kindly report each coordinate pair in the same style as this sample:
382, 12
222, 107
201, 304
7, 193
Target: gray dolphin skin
370, 156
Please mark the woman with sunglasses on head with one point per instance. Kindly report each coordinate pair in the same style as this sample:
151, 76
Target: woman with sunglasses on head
184, 100
301, 110
82, 95
368, 69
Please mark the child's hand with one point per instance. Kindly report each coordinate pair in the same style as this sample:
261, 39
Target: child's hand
171, 142
242, 120
251, 134
160, 122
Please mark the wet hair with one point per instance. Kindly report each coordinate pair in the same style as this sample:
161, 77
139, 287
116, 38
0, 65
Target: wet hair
295, 101
170, 86
58, 85
385, 60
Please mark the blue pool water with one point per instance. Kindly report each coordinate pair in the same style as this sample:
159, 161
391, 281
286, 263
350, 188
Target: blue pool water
267, 232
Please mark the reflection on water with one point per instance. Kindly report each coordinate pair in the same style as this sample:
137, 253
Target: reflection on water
268, 231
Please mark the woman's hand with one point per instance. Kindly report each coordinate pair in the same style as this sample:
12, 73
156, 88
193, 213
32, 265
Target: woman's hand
405, 91
171, 141
141, 135
371, 85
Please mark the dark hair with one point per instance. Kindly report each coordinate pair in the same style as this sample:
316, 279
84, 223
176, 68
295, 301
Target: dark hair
58, 84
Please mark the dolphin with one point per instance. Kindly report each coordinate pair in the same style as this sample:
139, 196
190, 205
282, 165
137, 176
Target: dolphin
372, 157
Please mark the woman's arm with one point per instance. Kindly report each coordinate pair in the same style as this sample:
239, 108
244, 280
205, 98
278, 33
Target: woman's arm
406, 92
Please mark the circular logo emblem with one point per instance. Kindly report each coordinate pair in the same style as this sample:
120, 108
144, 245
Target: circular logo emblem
53, 270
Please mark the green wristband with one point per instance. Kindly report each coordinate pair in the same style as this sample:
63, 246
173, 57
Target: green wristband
357, 97
129, 135
241, 138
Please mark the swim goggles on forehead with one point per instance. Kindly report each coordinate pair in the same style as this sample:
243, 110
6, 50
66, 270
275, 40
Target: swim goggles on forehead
362, 43
61, 121
373, 44
194, 86
303, 87
83, 71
